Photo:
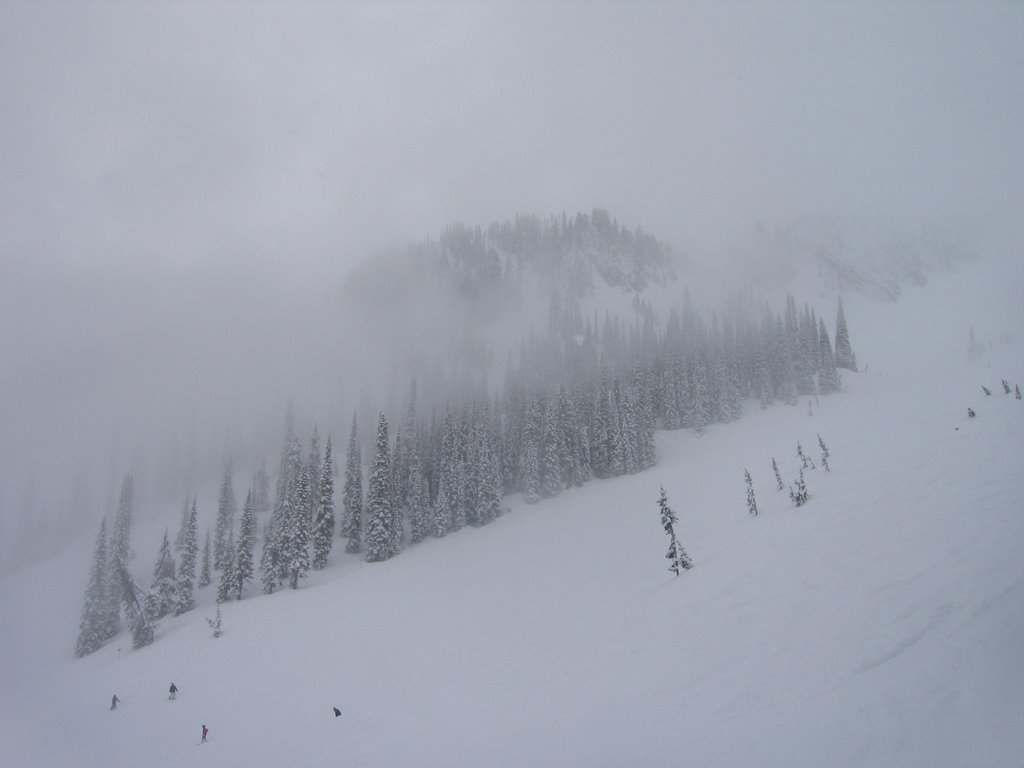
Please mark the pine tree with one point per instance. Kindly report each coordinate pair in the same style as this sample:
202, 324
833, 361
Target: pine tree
120, 548
295, 531
215, 622
227, 587
141, 627
379, 512
205, 576
227, 507
844, 352
352, 499
805, 461
162, 597
778, 477
243, 571
187, 565
314, 465
828, 377
798, 495
93, 626
677, 557
751, 502
824, 454
323, 528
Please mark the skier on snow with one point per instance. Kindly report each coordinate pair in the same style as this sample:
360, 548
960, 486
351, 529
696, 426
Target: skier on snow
114, 702
173, 691
205, 731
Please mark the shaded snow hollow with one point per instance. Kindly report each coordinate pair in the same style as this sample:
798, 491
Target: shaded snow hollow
879, 625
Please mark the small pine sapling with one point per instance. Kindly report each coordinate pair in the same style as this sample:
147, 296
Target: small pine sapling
987, 390
799, 493
824, 454
751, 502
1006, 387
677, 557
778, 477
807, 463
215, 623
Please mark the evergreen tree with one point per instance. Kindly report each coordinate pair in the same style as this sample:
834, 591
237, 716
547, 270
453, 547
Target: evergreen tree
778, 477
204, 572
162, 598
141, 627
94, 624
243, 570
215, 622
828, 377
798, 495
227, 507
751, 502
295, 531
227, 586
824, 454
844, 352
805, 461
379, 512
352, 500
314, 465
323, 528
120, 548
187, 565
677, 557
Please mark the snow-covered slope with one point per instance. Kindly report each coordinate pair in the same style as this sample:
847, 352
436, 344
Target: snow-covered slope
879, 625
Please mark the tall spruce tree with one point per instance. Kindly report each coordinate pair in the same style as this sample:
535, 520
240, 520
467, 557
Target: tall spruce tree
120, 546
295, 532
352, 494
379, 513
243, 571
93, 626
323, 526
162, 598
205, 577
187, 566
141, 627
677, 557
227, 508
227, 586
751, 501
845, 357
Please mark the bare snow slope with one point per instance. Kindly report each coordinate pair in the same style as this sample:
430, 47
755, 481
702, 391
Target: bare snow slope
879, 625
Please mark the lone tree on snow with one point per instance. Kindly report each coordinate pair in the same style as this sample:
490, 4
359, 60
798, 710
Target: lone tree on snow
778, 477
824, 454
751, 502
807, 463
799, 493
677, 556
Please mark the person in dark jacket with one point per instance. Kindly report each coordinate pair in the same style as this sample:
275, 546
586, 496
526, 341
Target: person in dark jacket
337, 712
114, 702
205, 731
173, 691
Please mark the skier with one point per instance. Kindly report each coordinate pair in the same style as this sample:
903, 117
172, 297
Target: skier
114, 702
205, 731
337, 712
173, 691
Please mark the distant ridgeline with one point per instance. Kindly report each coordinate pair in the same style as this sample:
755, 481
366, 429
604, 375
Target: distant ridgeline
579, 400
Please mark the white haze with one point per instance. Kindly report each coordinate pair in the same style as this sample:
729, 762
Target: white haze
185, 186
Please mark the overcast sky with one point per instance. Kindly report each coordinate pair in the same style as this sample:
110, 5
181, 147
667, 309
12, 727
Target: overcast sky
163, 165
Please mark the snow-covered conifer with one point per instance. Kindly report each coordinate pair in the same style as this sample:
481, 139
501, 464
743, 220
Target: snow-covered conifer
323, 526
828, 377
162, 598
141, 627
824, 454
379, 513
805, 460
778, 477
844, 352
93, 626
352, 495
205, 576
243, 570
120, 547
187, 563
751, 502
677, 557
227, 586
798, 495
227, 508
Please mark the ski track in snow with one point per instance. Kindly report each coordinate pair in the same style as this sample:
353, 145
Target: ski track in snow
879, 625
